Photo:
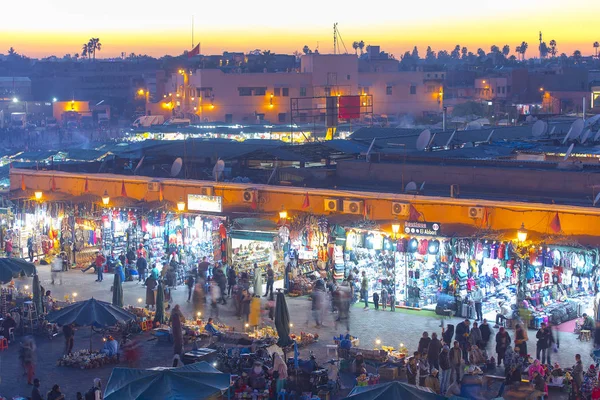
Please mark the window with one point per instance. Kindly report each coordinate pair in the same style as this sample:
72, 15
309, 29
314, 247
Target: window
245, 91
388, 90
327, 91
413, 89
435, 76
260, 91
277, 91
259, 117
228, 118
347, 77
442, 76
281, 117
285, 92
302, 92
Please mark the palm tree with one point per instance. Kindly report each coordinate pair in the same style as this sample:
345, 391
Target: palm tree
544, 50
456, 52
464, 51
306, 49
494, 49
523, 46
577, 55
480, 52
553, 48
361, 46
355, 47
506, 50
596, 45
93, 45
518, 51
85, 50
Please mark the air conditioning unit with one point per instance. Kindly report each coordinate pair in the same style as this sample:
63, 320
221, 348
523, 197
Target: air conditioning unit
353, 206
154, 186
208, 191
249, 195
476, 212
400, 208
331, 205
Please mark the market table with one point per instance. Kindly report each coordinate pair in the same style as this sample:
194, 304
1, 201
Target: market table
202, 354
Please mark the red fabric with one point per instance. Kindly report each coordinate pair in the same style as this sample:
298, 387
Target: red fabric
413, 214
555, 224
195, 51
23, 187
306, 202
485, 220
254, 201
495, 273
546, 278
222, 231
365, 211
53, 185
423, 245
85, 185
349, 107
123, 191
160, 192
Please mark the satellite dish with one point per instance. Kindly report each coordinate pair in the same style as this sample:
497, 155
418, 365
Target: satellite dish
139, 165
592, 120
596, 199
431, 141
422, 187
552, 130
176, 167
450, 139
569, 152
538, 129
410, 187
567, 135
218, 169
576, 128
489, 139
423, 140
585, 135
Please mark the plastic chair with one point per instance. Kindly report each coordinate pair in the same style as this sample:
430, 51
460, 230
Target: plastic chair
3, 344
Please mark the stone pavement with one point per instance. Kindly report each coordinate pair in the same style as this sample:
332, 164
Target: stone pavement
392, 328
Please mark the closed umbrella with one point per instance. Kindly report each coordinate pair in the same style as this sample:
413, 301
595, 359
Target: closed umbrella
37, 293
159, 316
12, 267
282, 321
117, 297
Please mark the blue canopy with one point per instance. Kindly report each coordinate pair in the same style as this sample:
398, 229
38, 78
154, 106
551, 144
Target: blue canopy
392, 390
90, 312
10, 267
192, 382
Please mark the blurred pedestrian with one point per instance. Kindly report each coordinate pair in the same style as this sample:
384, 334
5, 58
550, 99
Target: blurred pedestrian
189, 282
27, 357
69, 334
55, 394
231, 279
270, 279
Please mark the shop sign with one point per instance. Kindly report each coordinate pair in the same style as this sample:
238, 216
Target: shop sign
198, 202
422, 228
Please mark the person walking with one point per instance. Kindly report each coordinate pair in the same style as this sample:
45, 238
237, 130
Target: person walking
95, 392
142, 266
27, 357
99, 264
36, 393
189, 282
445, 369
151, 284
477, 297
69, 334
384, 298
270, 280
30, 248
221, 280
424, 343
521, 340
486, 333
502, 343
231, 280
544, 342
433, 351
57, 269
456, 360
475, 337
577, 374
462, 336
364, 289
177, 320
257, 281
55, 394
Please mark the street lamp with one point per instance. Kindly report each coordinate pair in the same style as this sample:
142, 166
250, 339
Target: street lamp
54, 99
15, 100
395, 229
181, 205
105, 198
38, 195
522, 233
283, 214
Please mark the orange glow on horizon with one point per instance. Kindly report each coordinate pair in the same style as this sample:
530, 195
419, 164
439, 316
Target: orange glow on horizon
59, 29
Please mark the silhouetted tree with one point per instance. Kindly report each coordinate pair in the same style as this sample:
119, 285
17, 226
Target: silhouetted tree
415, 53
85, 50
596, 45
506, 50
523, 48
429, 54
361, 46
553, 47
306, 49
355, 47
12, 52
443, 55
93, 46
480, 53
544, 50
494, 49
456, 52
464, 52
577, 56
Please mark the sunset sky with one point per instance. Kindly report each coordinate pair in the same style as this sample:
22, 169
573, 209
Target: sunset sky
40, 28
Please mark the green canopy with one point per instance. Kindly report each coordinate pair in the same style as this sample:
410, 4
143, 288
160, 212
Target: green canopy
392, 390
117, 298
194, 381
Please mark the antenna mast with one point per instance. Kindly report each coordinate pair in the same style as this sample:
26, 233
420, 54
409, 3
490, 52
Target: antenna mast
335, 38
192, 32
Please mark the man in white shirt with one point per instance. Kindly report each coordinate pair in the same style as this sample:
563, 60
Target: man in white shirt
57, 268
503, 314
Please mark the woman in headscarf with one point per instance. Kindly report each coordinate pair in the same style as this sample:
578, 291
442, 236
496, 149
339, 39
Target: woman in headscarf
536, 366
280, 367
258, 281
502, 344
476, 356
176, 322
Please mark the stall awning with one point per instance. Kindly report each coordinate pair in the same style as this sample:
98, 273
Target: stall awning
253, 235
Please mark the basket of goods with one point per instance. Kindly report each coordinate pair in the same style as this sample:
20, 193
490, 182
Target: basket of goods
86, 359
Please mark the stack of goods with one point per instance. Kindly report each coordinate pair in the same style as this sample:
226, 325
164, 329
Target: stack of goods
141, 312
376, 355
367, 380
300, 285
305, 338
396, 355
264, 332
85, 359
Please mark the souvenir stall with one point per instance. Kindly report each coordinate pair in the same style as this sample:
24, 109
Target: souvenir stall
40, 222
121, 230
306, 251
203, 236
257, 242
373, 252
